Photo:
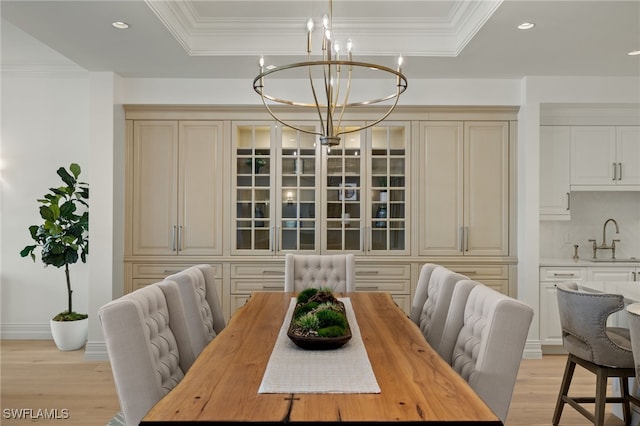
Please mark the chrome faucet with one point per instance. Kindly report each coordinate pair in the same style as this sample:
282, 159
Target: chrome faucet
604, 245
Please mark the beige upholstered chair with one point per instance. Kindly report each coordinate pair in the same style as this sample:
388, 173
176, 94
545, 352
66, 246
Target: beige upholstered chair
421, 293
434, 312
193, 321
633, 311
142, 350
335, 271
490, 343
604, 351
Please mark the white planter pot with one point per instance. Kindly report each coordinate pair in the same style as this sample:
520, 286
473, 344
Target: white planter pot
69, 335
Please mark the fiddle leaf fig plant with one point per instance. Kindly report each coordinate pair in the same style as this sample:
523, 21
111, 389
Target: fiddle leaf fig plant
63, 235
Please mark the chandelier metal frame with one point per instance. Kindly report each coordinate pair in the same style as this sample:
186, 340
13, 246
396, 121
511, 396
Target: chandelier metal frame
332, 105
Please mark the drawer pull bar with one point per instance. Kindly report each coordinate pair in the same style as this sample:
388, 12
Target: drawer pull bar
367, 288
567, 274
462, 271
272, 287
172, 271
275, 273
367, 272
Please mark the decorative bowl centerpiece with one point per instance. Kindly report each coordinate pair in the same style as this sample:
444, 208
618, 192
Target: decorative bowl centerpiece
319, 321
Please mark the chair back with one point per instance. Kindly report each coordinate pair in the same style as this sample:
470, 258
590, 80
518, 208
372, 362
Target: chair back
420, 295
436, 306
490, 343
634, 328
142, 350
212, 297
336, 271
455, 318
583, 318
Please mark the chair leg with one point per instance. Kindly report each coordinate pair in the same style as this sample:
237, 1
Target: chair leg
564, 388
626, 407
601, 396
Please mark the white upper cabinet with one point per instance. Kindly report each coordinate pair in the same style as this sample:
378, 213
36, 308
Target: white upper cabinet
605, 157
555, 202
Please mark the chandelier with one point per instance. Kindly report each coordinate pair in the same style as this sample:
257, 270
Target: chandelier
330, 81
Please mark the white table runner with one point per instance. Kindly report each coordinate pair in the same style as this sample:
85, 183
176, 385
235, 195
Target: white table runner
294, 370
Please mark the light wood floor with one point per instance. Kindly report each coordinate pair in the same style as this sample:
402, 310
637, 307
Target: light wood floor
35, 375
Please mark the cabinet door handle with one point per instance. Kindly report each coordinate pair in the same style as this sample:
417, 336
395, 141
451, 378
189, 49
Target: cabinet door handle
179, 238
568, 201
173, 238
461, 231
634, 276
619, 171
615, 172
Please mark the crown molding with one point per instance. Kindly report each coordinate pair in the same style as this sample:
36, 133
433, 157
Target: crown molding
416, 36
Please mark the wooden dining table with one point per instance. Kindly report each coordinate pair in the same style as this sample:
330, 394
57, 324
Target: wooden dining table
416, 384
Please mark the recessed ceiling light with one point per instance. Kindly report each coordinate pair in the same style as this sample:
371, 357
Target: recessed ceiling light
634, 53
526, 26
120, 25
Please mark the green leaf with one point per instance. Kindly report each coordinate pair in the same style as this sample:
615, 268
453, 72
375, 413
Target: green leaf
27, 251
66, 177
47, 213
75, 169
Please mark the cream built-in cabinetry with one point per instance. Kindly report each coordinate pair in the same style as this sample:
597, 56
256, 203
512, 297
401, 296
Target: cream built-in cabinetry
464, 188
231, 188
175, 196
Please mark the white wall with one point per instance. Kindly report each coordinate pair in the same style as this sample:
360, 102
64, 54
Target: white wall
45, 125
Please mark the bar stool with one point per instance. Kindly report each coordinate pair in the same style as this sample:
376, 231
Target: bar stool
604, 351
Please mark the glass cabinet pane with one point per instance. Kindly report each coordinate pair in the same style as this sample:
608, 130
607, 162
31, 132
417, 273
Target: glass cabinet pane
298, 209
344, 194
253, 163
388, 188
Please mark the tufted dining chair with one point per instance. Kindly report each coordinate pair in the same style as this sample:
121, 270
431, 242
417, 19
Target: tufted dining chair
433, 315
335, 271
633, 311
421, 292
604, 351
489, 344
194, 323
142, 349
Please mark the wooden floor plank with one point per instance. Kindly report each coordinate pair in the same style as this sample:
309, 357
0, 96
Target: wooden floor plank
36, 375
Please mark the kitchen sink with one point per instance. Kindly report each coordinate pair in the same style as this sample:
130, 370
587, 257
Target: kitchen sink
623, 260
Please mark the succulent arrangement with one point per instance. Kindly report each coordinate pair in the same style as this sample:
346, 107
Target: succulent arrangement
318, 314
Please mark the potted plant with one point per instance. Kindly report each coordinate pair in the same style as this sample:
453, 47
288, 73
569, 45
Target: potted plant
63, 239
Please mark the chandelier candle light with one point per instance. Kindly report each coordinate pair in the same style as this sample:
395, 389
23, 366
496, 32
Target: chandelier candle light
331, 102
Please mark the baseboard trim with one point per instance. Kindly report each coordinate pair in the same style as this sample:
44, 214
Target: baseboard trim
96, 351
25, 331
532, 350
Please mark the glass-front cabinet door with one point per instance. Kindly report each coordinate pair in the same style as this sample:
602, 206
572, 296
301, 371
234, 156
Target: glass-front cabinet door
276, 197
253, 144
344, 228
298, 226
293, 195
387, 208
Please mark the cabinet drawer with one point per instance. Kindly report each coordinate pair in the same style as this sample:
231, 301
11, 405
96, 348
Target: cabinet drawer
161, 270
561, 273
247, 286
258, 270
382, 272
383, 285
479, 272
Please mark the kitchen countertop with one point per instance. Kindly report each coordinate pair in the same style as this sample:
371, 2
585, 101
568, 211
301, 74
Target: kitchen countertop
587, 262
